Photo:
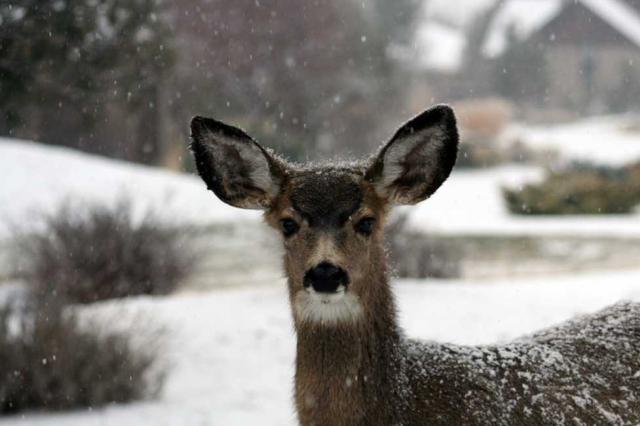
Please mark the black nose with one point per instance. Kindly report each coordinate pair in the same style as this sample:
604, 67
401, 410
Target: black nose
326, 278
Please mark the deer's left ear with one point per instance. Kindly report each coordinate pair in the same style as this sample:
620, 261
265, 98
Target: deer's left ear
418, 159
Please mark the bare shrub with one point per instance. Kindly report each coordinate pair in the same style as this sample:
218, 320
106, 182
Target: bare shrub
98, 252
416, 255
481, 123
47, 360
484, 117
478, 152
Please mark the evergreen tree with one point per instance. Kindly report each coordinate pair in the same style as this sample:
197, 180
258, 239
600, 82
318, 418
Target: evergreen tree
66, 65
302, 76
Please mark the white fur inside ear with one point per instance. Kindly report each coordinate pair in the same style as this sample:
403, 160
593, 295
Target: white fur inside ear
420, 149
327, 309
252, 157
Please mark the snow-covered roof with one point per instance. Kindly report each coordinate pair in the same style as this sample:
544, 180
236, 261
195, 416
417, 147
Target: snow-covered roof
525, 17
619, 15
440, 37
440, 47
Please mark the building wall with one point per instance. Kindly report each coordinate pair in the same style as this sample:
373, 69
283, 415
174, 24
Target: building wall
592, 79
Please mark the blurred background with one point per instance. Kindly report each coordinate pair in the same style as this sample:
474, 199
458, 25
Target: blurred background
131, 295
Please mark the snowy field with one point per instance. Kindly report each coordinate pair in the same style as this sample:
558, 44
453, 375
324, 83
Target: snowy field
231, 352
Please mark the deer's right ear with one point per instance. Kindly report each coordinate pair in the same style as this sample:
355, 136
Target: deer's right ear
234, 166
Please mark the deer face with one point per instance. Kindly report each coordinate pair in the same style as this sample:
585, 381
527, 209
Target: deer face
331, 217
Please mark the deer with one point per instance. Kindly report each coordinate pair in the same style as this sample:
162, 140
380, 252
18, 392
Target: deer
354, 365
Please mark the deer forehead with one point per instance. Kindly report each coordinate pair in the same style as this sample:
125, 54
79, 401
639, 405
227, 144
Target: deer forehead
326, 198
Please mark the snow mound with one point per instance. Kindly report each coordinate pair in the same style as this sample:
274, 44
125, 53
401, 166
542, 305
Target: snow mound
37, 178
609, 140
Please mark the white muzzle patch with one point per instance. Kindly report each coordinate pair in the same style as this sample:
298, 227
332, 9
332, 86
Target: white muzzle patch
327, 309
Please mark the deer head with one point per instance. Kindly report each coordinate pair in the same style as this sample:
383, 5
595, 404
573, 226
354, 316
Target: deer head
331, 216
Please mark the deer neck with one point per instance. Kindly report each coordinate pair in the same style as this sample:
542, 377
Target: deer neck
344, 372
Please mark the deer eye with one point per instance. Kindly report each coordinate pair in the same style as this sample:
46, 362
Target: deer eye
365, 225
289, 227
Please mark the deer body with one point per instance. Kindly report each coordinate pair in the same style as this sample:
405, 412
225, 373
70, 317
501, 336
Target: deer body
584, 372
353, 364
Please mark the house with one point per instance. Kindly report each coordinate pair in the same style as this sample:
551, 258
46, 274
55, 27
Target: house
580, 55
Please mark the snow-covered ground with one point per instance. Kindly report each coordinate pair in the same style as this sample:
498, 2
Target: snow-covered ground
613, 140
231, 351
37, 178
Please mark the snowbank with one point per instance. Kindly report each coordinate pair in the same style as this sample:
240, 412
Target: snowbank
471, 203
38, 177
613, 140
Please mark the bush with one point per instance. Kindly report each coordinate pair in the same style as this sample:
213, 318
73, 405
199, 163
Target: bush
415, 255
47, 360
97, 253
481, 122
486, 117
581, 189
478, 152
